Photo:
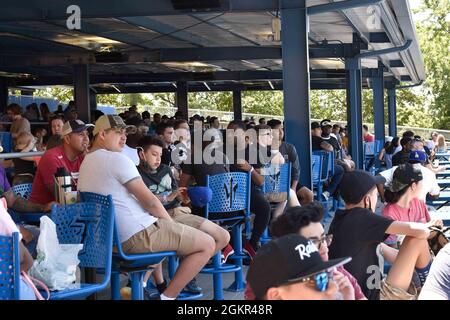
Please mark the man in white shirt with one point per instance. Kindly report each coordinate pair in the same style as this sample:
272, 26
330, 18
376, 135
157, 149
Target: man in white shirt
143, 223
429, 182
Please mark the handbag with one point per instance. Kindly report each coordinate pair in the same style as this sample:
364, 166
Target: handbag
438, 239
30, 282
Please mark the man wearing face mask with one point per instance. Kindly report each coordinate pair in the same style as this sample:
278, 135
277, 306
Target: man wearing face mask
358, 232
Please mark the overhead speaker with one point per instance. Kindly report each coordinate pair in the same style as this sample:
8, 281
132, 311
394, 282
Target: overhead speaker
196, 4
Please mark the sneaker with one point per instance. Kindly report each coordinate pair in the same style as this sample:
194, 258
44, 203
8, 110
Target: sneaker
192, 287
248, 249
151, 294
326, 195
162, 286
226, 252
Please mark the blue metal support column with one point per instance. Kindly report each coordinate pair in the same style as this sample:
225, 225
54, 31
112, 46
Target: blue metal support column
237, 105
378, 104
93, 100
392, 111
81, 91
354, 110
294, 33
3, 95
182, 98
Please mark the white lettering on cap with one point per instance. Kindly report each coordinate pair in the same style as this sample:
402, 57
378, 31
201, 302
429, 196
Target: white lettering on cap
306, 250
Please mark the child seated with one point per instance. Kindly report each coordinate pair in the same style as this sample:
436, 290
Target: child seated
24, 168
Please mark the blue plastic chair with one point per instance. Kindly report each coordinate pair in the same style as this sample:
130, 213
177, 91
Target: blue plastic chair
279, 181
9, 267
136, 265
24, 190
231, 193
371, 151
326, 166
6, 141
91, 224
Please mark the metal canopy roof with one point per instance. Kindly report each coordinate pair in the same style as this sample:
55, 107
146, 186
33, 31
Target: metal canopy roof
150, 37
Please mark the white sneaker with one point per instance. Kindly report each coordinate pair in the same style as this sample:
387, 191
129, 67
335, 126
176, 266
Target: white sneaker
326, 195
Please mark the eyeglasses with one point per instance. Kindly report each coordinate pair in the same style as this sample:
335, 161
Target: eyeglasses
319, 280
325, 239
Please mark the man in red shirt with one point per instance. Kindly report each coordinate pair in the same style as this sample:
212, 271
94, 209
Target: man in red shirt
69, 155
368, 137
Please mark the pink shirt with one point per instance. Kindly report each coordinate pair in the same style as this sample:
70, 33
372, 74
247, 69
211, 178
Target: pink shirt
417, 212
7, 225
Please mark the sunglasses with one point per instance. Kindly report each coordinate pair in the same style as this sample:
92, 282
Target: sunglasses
319, 280
325, 239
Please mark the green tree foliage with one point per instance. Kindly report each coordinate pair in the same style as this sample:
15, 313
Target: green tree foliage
434, 34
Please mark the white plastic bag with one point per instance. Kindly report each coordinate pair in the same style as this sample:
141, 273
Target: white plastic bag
56, 264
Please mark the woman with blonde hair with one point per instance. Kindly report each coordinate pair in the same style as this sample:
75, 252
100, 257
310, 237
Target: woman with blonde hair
441, 144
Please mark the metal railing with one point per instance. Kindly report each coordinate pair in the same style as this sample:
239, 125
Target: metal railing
14, 155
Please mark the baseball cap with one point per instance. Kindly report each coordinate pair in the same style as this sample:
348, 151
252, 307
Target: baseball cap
417, 156
199, 196
286, 260
315, 125
404, 175
74, 126
106, 122
356, 184
325, 123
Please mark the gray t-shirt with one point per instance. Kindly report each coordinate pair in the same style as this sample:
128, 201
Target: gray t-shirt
105, 172
437, 285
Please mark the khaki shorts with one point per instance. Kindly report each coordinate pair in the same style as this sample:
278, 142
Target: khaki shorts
389, 292
163, 235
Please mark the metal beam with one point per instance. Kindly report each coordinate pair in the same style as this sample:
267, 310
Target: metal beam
376, 53
405, 78
396, 64
181, 98
342, 5
81, 91
378, 37
26, 10
392, 111
237, 104
354, 110
294, 33
378, 107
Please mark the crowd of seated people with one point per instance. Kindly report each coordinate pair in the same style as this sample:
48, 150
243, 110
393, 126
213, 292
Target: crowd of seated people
147, 166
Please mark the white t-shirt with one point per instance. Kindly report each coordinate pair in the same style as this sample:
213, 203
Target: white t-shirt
131, 153
429, 182
105, 172
398, 149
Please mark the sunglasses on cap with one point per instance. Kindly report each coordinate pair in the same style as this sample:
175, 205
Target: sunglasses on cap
325, 239
319, 280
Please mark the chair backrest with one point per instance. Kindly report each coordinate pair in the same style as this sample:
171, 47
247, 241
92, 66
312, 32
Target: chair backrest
9, 267
369, 149
231, 192
327, 164
23, 190
91, 224
277, 178
6, 141
316, 163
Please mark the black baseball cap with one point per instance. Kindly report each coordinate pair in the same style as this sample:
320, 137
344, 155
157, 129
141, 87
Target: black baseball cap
74, 126
325, 123
404, 175
356, 184
286, 260
315, 125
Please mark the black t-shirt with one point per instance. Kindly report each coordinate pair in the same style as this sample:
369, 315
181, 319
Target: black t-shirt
315, 143
166, 157
160, 181
356, 233
201, 170
291, 152
336, 146
24, 166
400, 158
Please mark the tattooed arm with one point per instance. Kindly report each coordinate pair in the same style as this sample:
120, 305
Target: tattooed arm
20, 204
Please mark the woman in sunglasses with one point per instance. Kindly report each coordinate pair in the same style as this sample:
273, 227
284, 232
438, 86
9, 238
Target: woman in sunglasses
306, 221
